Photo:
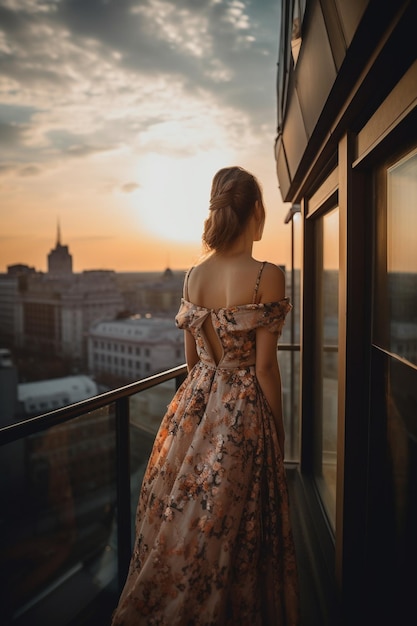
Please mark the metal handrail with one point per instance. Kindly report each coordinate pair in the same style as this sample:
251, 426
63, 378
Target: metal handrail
32, 425
120, 398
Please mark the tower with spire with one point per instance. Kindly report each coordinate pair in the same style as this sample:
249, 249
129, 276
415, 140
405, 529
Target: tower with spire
59, 259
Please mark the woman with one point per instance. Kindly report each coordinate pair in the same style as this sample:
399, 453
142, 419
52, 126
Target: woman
213, 539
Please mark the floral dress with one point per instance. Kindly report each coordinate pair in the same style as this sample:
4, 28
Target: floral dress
213, 541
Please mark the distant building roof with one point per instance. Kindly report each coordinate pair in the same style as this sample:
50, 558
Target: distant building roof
47, 395
168, 273
19, 268
137, 329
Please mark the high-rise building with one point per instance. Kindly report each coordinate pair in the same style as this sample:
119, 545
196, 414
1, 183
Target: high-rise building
56, 313
52, 312
59, 258
11, 284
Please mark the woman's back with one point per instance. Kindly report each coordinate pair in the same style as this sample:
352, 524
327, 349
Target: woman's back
223, 281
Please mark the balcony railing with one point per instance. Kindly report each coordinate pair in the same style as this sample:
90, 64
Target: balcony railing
69, 483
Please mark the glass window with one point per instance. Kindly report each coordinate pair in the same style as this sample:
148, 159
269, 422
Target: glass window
326, 360
290, 360
401, 287
392, 463
297, 21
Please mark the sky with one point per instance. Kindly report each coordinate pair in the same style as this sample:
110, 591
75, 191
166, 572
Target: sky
116, 114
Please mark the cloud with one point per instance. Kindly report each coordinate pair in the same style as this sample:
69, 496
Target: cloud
220, 47
10, 134
16, 114
86, 77
130, 187
30, 170
7, 168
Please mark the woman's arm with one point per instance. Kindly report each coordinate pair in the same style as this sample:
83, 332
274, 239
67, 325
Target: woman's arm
269, 378
191, 355
272, 289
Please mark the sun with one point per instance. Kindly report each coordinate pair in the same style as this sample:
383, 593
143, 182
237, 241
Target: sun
173, 197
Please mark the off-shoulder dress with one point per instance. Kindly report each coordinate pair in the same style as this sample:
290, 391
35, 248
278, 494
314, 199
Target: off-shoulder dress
214, 545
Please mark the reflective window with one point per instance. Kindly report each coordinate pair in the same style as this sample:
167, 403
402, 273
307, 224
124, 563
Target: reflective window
326, 360
58, 505
401, 287
297, 21
289, 360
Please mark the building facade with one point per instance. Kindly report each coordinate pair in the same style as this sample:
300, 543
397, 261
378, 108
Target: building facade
56, 313
11, 285
52, 313
134, 348
346, 159
154, 293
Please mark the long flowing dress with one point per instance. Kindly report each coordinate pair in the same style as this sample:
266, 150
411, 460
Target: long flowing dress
214, 544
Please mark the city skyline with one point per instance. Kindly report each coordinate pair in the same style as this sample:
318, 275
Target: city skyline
114, 117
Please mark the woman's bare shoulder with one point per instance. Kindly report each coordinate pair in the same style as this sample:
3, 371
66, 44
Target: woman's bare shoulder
199, 271
200, 274
272, 284
274, 271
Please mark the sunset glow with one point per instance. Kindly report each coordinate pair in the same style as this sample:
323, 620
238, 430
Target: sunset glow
115, 116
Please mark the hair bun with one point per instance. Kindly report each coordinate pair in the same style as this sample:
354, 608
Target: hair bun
222, 200
234, 193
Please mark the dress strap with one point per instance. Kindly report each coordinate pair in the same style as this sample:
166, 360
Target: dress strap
186, 282
258, 280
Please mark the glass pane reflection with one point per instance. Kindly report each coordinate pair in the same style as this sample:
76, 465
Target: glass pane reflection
147, 409
326, 383
289, 363
57, 518
402, 258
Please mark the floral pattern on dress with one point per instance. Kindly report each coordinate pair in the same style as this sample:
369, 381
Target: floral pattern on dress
214, 545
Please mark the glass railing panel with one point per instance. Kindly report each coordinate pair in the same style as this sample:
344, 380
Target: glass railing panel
59, 535
289, 364
147, 409
58, 495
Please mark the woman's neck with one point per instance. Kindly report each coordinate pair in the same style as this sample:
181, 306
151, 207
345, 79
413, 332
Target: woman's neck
241, 247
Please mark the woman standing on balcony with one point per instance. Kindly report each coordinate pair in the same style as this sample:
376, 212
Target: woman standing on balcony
213, 542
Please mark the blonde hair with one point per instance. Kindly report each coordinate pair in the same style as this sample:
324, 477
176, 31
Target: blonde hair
234, 193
